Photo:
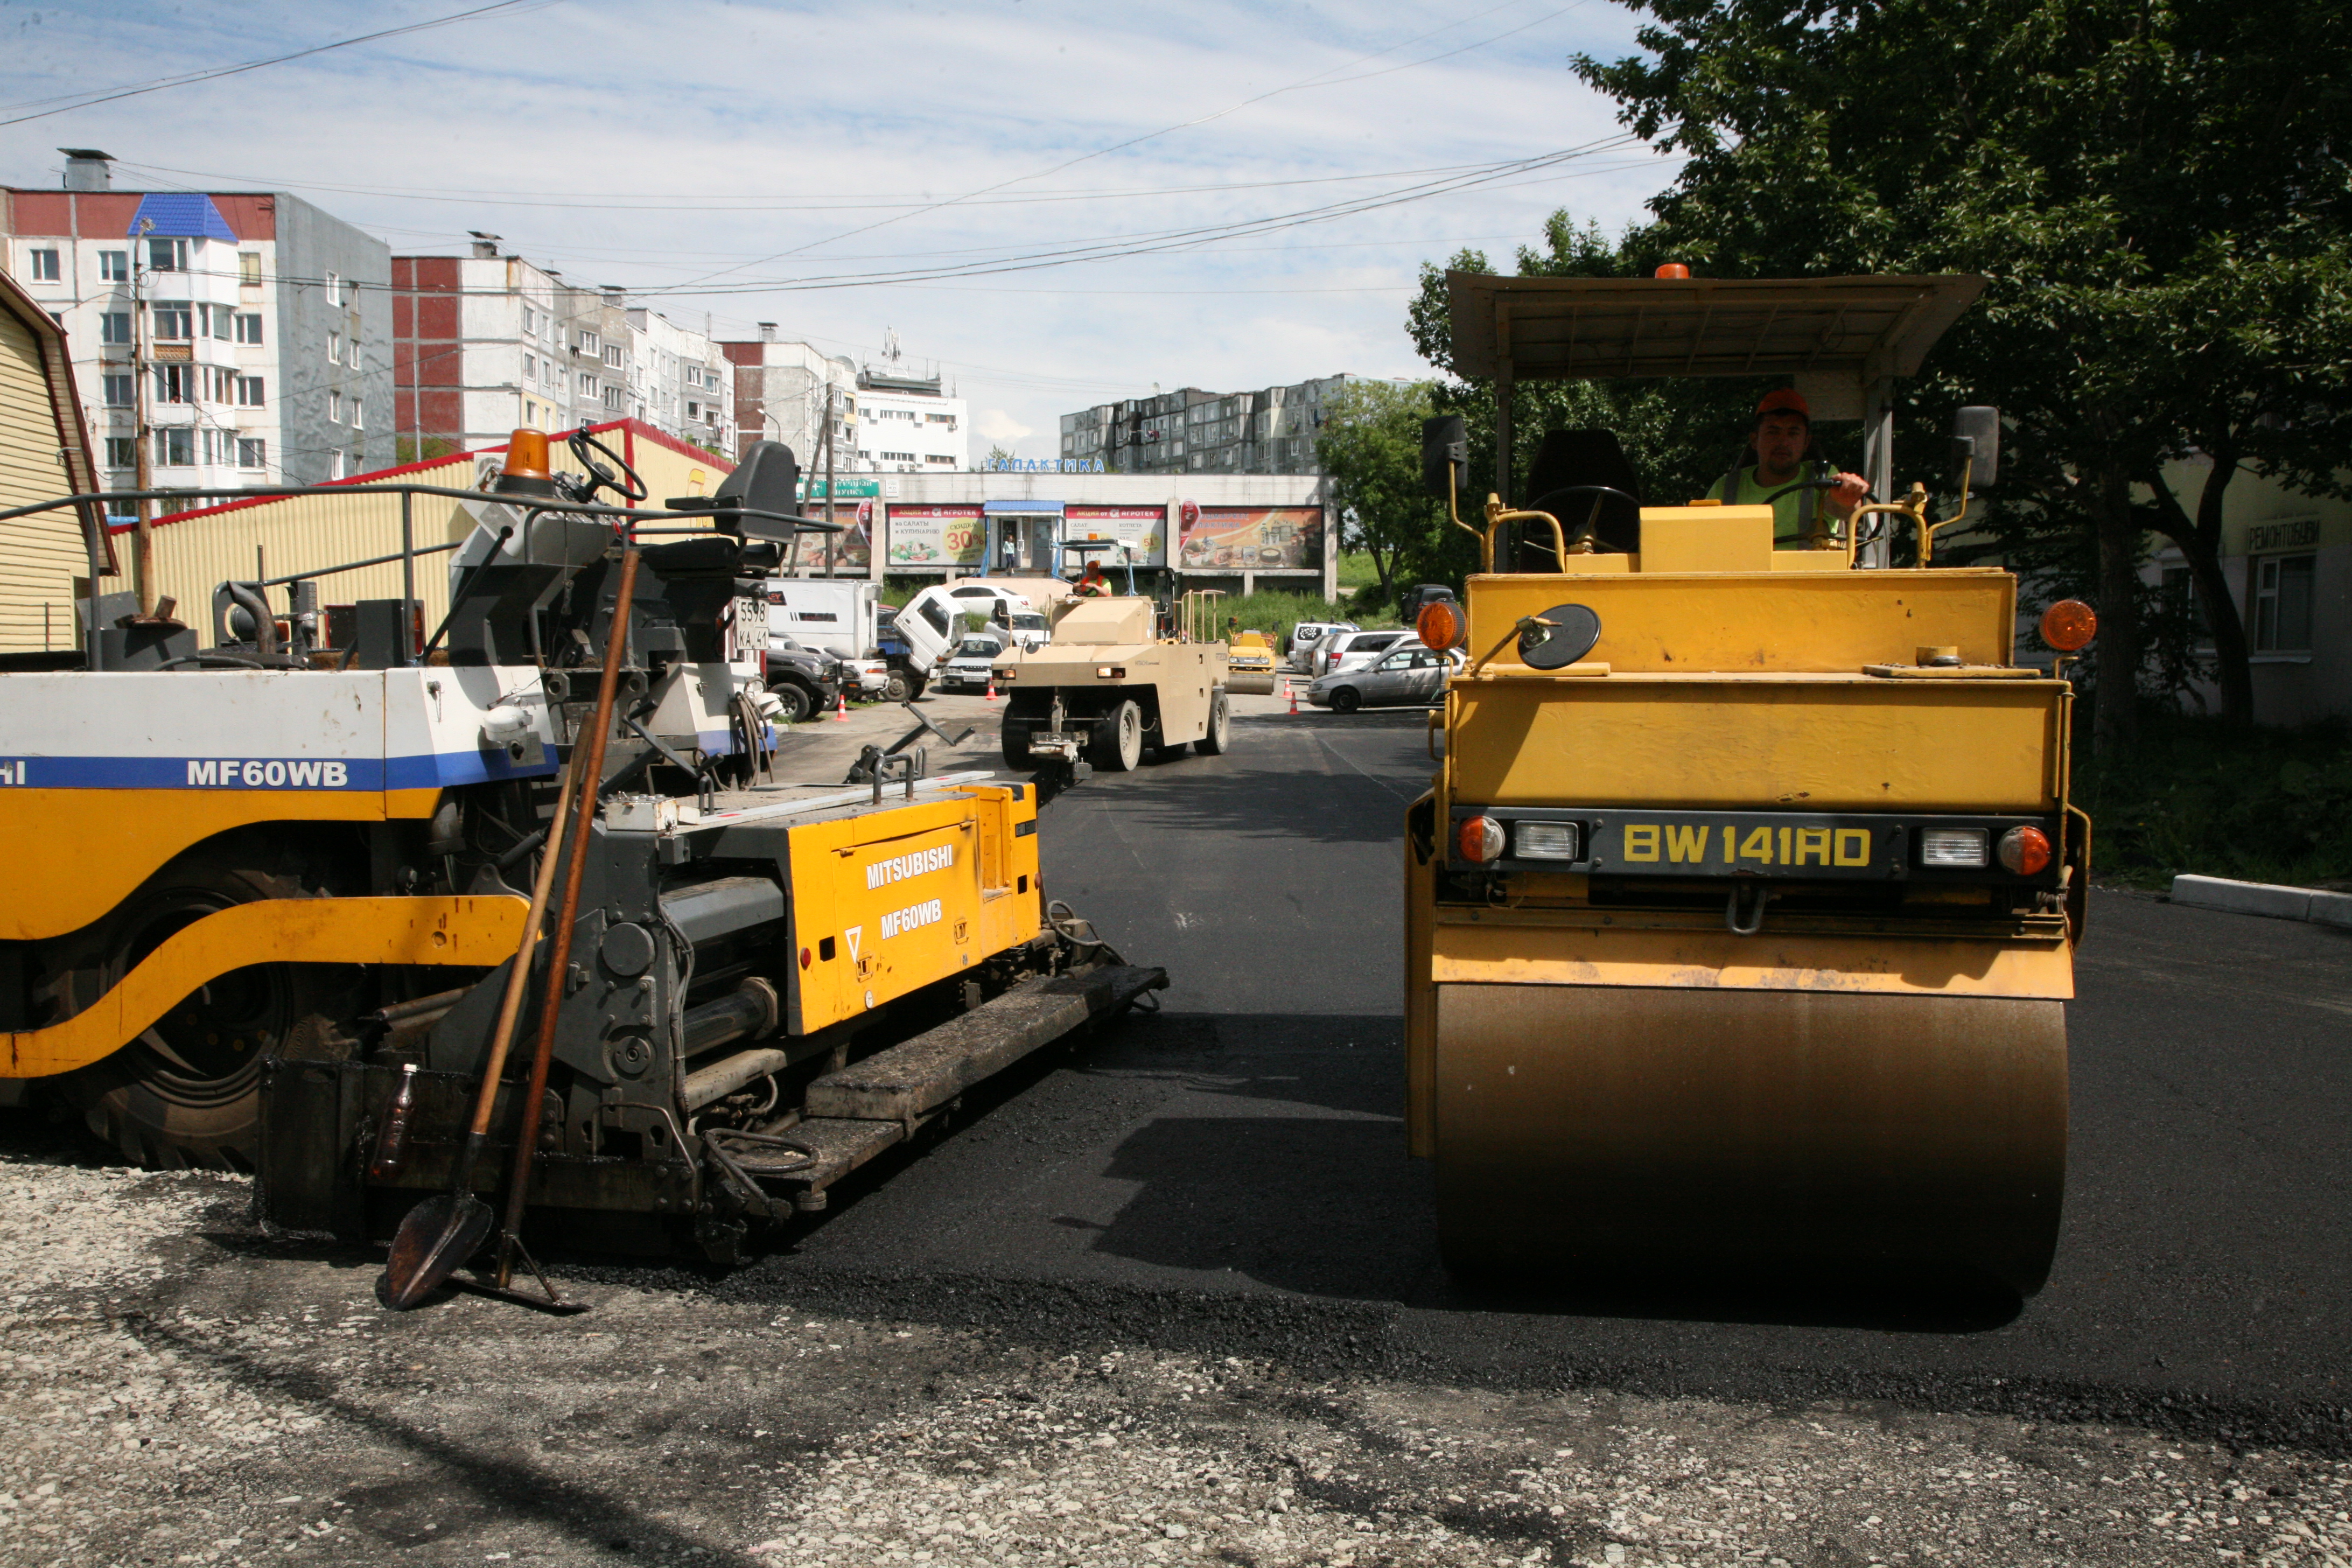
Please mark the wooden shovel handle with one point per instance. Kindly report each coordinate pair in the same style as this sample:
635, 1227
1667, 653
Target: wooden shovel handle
518, 977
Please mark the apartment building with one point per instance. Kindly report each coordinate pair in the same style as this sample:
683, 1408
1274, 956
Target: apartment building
908, 425
782, 391
489, 341
219, 340
1270, 431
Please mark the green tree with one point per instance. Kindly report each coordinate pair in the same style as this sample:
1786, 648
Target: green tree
1370, 447
2155, 189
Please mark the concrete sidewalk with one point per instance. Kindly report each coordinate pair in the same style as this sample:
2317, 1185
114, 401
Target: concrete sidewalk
2314, 904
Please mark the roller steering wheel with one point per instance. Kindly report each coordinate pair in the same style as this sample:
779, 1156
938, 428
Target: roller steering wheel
1541, 503
1806, 485
599, 476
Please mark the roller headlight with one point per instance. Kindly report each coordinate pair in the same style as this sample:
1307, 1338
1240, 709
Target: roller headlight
1953, 849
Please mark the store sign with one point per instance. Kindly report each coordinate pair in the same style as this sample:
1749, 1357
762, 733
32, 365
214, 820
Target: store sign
2267, 536
1254, 539
1041, 465
1145, 527
935, 536
813, 487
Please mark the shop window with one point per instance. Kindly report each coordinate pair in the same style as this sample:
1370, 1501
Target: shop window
2282, 607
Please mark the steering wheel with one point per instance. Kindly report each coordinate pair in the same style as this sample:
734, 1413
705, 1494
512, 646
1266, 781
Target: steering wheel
1599, 492
600, 476
1806, 485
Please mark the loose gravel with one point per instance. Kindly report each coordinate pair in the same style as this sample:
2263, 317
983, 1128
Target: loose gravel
175, 1388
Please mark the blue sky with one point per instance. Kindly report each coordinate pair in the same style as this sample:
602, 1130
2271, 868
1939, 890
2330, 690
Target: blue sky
705, 155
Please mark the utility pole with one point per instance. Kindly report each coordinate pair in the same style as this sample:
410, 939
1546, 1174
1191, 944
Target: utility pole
830, 536
142, 553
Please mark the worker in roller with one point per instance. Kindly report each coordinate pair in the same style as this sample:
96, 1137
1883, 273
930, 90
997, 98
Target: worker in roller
1092, 583
1781, 441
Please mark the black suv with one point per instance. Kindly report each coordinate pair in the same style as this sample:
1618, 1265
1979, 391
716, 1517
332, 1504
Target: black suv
804, 680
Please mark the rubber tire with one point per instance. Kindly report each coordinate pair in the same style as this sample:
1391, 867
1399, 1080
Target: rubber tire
1016, 744
902, 688
159, 1114
1345, 699
1221, 726
798, 701
1118, 745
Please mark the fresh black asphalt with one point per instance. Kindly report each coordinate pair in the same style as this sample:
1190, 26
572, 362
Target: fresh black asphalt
1230, 1176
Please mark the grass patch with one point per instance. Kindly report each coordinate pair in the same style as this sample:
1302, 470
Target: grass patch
2200, 797
1275, 613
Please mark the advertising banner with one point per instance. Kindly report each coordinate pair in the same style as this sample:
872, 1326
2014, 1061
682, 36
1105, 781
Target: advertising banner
1254, 539
939, 536
1146, 527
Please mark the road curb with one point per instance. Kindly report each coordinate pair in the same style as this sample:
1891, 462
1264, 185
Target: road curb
2265, 899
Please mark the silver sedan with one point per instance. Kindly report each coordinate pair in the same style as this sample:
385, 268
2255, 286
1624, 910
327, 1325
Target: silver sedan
1413, 675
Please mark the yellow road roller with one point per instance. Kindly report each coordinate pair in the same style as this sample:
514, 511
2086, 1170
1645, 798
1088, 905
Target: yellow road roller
1740, 914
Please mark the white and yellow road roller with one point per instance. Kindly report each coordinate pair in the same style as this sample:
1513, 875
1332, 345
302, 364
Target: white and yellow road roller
1740, 914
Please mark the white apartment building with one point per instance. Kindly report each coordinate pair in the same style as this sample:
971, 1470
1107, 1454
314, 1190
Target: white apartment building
226, 339
908, 425
489, 341
781, 392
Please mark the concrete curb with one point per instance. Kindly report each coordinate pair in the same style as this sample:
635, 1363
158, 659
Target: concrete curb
2265, 899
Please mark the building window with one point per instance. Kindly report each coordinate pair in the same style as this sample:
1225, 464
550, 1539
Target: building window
248, 327
2282, 614
587, 343
587, 386
612, 356
167, 255
117, 391
529, 368
359, 414
611, 398
213, 321
173, 384
123, 451
335, 348
334, 465
114, 327
175, 447
174, 322
248, 272
114, 266
334, 286
251, 393
45, 266
898, 457
694, 410
219, 384
335, 406
252, 452
355, 360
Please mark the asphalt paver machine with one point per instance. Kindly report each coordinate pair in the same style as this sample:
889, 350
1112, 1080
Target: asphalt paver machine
264, 898
1740, 915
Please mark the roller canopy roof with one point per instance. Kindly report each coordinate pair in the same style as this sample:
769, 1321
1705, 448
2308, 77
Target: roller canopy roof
1840, 333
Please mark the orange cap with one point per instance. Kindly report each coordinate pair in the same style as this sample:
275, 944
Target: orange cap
1787, 400
527, 455
2069, 625
1672, 270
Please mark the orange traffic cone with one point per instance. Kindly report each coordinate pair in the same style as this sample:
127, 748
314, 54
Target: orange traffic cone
1293, 687
991, 688
841, 710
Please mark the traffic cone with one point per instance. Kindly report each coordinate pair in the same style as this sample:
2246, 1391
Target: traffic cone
991, 688
840, 709
1293, 687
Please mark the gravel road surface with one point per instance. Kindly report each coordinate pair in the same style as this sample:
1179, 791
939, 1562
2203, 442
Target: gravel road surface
1171, 1297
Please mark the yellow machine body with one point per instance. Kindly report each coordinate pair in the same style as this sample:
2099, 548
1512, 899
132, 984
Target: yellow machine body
1249, 664
1743, 1021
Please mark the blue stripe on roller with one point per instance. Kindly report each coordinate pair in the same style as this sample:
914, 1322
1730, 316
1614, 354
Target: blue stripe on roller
293, 774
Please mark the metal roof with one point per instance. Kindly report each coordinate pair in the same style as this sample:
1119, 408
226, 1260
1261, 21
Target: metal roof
1847, 330
187, 214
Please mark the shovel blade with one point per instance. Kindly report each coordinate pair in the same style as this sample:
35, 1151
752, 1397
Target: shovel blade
438, 1236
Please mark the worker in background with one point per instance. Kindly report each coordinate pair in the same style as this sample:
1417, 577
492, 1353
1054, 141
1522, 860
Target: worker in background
1782, 437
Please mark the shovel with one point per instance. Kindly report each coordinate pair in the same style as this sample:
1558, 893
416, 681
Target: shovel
442, 1232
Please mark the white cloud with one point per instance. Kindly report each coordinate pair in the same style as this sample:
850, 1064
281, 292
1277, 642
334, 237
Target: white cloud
758, 139
997, 426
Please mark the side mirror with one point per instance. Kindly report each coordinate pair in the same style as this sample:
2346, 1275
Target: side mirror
1976, 445
1444, 456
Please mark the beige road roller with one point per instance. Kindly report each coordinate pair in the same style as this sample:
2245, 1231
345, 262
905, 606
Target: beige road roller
1740, 915
1108, 685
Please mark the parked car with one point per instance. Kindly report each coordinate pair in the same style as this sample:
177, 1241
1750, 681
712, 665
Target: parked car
968, 668
1408, 674
1299, 646
1333, 647
1030, 629
804, 682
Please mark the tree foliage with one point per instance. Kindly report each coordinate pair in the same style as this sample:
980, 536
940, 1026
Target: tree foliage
1370, 447
2155, 190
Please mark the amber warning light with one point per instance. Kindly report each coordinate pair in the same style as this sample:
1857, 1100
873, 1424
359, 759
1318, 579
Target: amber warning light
2069, 625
